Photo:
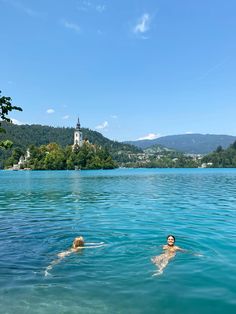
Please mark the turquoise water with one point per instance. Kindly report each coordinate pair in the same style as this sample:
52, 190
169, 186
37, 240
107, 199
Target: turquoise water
132, 211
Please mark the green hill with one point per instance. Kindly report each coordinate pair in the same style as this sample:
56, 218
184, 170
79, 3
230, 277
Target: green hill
23, 136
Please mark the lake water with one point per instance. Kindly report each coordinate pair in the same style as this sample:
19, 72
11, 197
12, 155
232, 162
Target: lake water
132, 211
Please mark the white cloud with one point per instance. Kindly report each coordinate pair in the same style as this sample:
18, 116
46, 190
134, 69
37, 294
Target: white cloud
150, 136
114, 116
66, 117
73, 26
14, 121
102, 126
50, 111
189, 132
143, 24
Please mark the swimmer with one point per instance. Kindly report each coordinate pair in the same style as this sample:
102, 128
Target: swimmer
170, 249
77, 245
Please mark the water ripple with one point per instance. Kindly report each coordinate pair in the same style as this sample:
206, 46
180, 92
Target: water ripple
132, 211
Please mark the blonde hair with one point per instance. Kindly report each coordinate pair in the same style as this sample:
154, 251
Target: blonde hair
78, 241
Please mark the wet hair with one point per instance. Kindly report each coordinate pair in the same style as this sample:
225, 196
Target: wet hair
170, 235
79, 241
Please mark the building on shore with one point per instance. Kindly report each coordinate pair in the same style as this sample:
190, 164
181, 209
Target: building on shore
22, 162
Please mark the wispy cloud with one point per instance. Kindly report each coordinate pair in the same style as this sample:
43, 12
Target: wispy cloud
100, 8
143, 24
30, 12
50, 111
72, 26
86, 6
150, 136
214, 68
66, 117
102, 126
114, 116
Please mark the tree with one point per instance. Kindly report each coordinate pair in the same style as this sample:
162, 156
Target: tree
6, 144
234, 145
219, 149
5, 107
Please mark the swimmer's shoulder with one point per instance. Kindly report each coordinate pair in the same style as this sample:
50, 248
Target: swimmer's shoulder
177, 248
165, 247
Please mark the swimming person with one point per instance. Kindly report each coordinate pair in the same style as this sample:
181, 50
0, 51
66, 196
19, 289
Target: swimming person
77, 245
170, 249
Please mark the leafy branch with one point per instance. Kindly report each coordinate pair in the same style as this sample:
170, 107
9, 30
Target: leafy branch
5, 107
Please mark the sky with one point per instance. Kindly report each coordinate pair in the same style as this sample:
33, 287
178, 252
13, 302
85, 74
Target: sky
129, 69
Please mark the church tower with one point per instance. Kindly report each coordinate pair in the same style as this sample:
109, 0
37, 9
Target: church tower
78, 136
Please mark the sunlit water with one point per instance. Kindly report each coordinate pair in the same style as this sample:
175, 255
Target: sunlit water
132, 211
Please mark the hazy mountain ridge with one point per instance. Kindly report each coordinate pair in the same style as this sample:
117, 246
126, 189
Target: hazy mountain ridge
188, 143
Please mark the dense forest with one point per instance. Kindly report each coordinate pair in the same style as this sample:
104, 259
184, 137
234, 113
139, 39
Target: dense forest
221, 158
23, 136
54, 157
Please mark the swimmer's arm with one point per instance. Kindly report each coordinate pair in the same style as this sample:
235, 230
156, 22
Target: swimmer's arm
93, 243
187, 251
181, 250
94, 246
68, 252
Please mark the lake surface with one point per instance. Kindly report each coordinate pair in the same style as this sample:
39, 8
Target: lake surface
132, 211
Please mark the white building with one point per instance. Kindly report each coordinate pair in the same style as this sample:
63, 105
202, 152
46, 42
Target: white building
78, 136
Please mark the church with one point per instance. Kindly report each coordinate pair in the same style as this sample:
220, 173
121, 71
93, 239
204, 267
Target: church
78, 136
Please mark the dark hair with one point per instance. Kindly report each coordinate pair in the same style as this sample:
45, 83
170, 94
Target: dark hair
170, 235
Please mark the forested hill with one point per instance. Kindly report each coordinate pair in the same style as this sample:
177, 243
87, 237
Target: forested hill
189, 143
23, 136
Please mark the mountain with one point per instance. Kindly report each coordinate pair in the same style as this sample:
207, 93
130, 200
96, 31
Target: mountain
188, 143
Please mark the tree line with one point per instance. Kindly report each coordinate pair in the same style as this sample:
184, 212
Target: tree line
54, 157
222, 158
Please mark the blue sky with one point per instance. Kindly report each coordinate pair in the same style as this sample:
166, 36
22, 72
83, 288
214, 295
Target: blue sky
129, 69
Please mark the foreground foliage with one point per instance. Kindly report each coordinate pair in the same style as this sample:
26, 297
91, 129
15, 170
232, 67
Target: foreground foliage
5, 107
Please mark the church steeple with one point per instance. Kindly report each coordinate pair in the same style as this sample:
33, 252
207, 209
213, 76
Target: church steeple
78, 136
78, 125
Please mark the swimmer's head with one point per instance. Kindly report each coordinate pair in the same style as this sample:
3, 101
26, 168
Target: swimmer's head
79, 241
170, 239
